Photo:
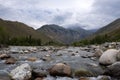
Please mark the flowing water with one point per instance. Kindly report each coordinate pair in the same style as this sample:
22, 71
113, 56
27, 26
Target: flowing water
73, 56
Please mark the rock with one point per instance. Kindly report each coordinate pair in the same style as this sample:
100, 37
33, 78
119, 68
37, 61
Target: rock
60, 69
98, 53
59, 55
86, 56
87, 78
22, 72
73, 54
108, 57
47, 55
39, 73
32, 59
84, 78
83, 72
113, 70
39, 79
45, 49
93, 58
93, 65
118, 56
104, 77
77, 51
4, 56
98, 78
26, 51
10, 61
45, 58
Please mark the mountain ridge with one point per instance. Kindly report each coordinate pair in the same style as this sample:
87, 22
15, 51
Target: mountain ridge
108, 33
64, 35
18, 29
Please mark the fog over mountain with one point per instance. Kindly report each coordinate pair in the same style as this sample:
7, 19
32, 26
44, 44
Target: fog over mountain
91, 14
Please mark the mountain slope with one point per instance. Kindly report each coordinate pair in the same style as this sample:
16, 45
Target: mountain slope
17, 29
109, 33
83, 33
61, 34
112, 30
113, 26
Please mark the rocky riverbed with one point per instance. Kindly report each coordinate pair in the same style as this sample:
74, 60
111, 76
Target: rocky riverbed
93, 62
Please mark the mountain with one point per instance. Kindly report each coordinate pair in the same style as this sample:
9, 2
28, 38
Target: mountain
61, 34
108, 33
18, 29
112, 30
83, 33
113, 26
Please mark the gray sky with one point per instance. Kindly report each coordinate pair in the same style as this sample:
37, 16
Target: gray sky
89, 14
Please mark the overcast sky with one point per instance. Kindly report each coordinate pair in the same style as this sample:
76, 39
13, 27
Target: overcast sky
89, 14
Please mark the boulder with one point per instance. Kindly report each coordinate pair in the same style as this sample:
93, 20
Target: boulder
10, 61
87, 78
98, 53
103, 77
4, 56
22, 72
39, 78
83, 73
84, 78
39, 73
60, 69
113, 70
108, 57
32, 59
118, 56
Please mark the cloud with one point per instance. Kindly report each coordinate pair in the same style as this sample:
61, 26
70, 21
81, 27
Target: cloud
108, 7
105, 11
88, 13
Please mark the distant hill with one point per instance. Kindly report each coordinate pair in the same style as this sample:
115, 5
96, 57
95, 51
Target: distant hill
108, 33
63, 35
18, 29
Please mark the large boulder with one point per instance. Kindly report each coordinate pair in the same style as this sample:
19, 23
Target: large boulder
113, 70
108, 57
22, 72
60, 69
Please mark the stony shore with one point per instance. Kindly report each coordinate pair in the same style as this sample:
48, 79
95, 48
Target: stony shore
93, 62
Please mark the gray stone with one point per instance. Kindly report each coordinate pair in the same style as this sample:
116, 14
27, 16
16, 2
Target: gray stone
60, 69
108, 57
113, 70
22, 72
